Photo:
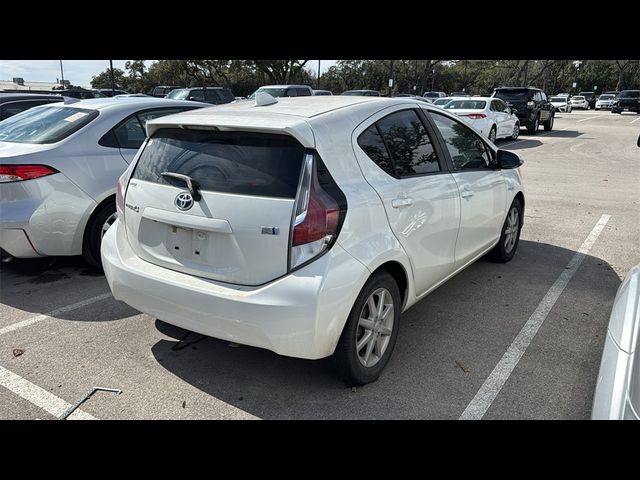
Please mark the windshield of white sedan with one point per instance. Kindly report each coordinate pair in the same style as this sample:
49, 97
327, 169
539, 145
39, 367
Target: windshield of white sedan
606, 97
577, 98
178, 94
558, 99
44, 124
466, 105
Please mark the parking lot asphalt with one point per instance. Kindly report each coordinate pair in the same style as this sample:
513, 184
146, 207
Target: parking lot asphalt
73, 335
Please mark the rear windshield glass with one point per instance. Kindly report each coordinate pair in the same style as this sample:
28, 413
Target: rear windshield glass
229, 162
45, 124
635, 94
606, 97
558, 99
465, 105
513, 95
442, 101
577, 97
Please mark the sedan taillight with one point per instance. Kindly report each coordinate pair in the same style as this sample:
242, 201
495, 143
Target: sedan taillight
16, 173
475, 116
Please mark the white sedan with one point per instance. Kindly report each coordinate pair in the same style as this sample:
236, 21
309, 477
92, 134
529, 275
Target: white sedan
561, 104
59, 165
606, 100
579, 101
491, 116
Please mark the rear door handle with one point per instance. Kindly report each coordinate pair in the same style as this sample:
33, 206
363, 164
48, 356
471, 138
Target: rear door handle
466, 192
401, 202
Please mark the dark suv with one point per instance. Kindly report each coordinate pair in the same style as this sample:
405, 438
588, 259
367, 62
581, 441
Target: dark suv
531, 104
12, 103
627, 100
591, 98
213, 95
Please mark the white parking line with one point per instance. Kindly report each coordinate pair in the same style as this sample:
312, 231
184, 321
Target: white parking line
52, 313
500, 374
585, 119
39, 396
634, 121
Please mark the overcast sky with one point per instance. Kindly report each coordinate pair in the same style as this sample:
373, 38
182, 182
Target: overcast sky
79, 72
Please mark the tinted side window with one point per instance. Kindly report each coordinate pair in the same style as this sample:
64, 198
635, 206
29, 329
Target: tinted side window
498, 105
371, 143
467, 149
130, 133
211, 96
291, 92
197, 95
303, 92
408, 143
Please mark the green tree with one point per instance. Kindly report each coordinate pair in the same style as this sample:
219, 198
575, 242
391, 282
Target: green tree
103, 79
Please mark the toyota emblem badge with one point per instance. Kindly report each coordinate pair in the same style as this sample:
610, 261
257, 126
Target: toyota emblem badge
184, 201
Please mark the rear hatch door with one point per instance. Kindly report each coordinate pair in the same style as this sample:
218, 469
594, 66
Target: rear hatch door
238, 232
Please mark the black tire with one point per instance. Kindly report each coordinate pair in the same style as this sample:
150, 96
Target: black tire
548, 125
500, 252
516, 131
93, 234
492, 133
532, 128
345, 358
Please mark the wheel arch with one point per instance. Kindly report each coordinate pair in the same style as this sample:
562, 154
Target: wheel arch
399, 274
98, 207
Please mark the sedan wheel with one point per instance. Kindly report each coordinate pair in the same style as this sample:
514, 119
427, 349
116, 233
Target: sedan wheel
108, 223
492, 135
516, 131
511, 229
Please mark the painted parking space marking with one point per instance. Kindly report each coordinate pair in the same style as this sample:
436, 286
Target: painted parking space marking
53, 313
634, 121
39, 396
585, 119
502, 371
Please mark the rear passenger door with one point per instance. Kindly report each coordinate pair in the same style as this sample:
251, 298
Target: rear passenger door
405, 167
212, 96
483, 191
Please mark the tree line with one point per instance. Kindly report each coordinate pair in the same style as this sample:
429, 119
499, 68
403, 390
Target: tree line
476, 77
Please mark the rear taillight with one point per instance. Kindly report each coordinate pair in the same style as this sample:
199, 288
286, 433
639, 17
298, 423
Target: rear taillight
531, 104
16, 173
319, 212
475, 116
121, 190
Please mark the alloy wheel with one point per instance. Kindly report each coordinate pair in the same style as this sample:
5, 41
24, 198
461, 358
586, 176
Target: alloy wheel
511, 229
105, 226
375, 326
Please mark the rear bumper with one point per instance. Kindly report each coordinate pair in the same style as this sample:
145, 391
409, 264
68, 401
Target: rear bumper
43, 216
526, 118
300, 315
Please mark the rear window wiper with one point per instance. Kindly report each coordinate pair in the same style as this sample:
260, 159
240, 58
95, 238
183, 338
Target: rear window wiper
192, 185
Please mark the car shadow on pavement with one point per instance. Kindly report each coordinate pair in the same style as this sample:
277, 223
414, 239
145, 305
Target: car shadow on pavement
447, 345
41, 285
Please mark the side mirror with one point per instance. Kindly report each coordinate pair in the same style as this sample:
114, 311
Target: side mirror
639, 141
507, 159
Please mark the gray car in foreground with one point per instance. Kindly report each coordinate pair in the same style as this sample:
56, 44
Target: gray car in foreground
59, 166
617, 395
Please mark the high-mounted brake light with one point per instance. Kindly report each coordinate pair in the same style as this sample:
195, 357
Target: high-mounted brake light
16, 173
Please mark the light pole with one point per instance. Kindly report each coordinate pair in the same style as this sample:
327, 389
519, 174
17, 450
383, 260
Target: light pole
113, 82
390, 87
577, 64
62, 74
318, 74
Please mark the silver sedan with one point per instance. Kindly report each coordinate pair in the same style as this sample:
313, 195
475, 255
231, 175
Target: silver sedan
59, 166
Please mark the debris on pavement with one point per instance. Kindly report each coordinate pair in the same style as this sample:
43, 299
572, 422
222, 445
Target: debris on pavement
462, 367
17, 352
